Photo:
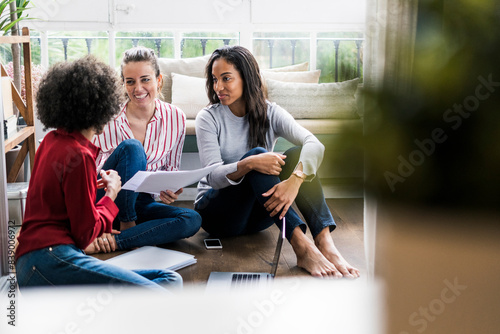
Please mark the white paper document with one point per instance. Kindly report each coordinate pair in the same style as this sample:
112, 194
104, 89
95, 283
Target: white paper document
155, 182
151, 257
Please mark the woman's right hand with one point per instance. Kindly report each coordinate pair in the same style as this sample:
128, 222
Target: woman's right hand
111, 182
268, 163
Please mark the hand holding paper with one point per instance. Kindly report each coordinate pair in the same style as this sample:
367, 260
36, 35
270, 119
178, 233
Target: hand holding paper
156, 182
168, 197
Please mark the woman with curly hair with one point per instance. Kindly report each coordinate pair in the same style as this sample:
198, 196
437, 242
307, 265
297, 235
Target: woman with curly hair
62, 216
148, 134
255, 186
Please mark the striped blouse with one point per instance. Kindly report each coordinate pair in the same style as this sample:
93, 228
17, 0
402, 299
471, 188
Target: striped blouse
163, 143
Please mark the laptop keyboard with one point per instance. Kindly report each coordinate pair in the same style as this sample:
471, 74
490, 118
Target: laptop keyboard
245, 280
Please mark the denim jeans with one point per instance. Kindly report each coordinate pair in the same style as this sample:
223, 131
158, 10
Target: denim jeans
156, 223
239, 209
68, 265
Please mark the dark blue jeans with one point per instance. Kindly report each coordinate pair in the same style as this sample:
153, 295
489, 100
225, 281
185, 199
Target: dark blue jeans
68, 265
156, 223
239, 209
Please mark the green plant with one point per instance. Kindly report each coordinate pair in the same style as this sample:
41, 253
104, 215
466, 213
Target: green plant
6, 16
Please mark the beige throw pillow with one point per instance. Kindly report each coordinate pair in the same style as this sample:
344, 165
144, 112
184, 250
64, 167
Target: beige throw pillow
194, 67
189, 94
302, 76
291, 68
309, 100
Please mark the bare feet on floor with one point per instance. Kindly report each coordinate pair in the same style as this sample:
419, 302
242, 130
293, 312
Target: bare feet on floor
321, 259
324, 243
311, 259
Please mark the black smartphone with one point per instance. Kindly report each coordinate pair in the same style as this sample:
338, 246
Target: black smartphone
213, 244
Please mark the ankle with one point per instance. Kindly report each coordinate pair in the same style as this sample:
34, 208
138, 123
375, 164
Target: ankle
324, 238
299, 241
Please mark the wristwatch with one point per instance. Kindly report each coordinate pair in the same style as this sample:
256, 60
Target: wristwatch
300, 174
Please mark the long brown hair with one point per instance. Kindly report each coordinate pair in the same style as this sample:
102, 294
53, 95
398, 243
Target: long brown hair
253, 93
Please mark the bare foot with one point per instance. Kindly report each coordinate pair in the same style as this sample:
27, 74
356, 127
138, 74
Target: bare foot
310, 258
325, 244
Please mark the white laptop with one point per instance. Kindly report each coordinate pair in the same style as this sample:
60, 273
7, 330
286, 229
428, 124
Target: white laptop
237, 280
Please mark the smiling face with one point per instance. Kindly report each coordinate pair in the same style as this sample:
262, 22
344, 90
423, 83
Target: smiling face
141, 83
228, 85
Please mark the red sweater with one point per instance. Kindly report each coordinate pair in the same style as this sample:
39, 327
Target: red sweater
60, 205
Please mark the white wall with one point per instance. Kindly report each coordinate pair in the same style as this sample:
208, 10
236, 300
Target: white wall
271, 15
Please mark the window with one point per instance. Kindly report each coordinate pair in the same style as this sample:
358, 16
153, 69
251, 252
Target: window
280, 49
71, 45
195, 44
161, 42
339, 56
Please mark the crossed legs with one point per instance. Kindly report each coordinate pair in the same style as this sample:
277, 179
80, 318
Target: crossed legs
239, 210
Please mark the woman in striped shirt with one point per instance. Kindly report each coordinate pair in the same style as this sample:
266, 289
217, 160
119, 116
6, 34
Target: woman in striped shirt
148, 134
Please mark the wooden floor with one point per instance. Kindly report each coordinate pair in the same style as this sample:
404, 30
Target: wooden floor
255, 252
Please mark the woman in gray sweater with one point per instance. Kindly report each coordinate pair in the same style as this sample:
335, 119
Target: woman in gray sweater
255, 186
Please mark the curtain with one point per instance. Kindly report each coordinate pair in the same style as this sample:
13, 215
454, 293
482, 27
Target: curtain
388, 59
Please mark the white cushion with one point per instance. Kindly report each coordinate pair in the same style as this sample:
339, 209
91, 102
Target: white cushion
189, 94
194, 67
291, 68
309, 100
302, 76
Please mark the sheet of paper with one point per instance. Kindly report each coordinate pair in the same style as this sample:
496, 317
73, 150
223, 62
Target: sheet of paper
155, 182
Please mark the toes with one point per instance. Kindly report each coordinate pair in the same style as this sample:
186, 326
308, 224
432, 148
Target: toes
344, 271
333, 273
318, 273
337, 274
354, 272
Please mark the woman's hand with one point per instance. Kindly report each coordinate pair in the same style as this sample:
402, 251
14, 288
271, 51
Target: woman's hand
111, 182
282, 196
268, 163
107, 242
104, 244
168, 197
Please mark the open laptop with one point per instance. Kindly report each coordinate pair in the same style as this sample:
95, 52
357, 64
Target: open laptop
237, 280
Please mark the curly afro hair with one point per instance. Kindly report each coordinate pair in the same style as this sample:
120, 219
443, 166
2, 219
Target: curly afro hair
79, 95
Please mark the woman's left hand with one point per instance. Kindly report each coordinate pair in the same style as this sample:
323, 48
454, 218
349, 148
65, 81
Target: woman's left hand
282, 196
169, 197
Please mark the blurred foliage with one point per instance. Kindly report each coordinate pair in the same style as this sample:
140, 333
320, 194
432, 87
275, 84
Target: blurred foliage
436, 142
347, 57
124, 41
6, 23
282, 49
193, 47
283, 53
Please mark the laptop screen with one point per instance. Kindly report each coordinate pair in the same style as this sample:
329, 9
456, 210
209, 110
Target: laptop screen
277, 253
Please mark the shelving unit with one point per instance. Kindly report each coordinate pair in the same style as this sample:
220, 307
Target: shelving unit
27, 134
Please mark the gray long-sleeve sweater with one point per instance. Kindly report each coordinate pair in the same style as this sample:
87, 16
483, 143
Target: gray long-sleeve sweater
222, 137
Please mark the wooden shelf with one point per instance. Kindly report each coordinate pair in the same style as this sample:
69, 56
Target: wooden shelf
18, 137
14, 39
27, 134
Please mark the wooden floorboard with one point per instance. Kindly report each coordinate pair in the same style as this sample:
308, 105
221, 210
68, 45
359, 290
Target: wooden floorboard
255, 252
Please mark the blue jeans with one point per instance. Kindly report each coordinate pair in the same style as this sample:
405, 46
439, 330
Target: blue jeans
156, 223
239, 209
68, 265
